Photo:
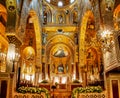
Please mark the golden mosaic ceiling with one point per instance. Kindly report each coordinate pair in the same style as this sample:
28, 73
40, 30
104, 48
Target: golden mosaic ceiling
60, 3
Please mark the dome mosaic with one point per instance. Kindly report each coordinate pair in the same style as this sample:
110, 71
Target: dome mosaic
60, 3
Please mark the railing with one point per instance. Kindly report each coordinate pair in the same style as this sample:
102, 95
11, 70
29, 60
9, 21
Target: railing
31, 92
88, 92
91, 95
19, 95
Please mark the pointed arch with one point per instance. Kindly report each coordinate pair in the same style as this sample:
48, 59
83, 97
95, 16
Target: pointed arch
60, 39
38, 38
74, 15
116, 16
3, 17
82, 36
3, 39
33, 18
47, 16
60, 17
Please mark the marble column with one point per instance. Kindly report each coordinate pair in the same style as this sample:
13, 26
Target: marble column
36, 76
11, 86
73, 71
48, 71
77, 70
43, 71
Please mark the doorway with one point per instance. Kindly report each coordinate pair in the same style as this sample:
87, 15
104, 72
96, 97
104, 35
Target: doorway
3, 87
115, 89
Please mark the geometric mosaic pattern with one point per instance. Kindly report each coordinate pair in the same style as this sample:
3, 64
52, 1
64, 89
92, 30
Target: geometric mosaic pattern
27, 96
92, 96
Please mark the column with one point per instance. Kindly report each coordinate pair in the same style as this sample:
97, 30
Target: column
84, 75
11, 86
77, 70
18, 76
43, 71
80, 75
36, 76
48, 71
73, 71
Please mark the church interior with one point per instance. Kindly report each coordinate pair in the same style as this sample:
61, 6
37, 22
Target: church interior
59, 48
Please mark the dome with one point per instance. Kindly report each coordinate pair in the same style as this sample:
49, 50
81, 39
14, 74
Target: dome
60, 3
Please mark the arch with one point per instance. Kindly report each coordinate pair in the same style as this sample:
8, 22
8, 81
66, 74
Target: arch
93, 63
35, 21
3, 15
3, 20
28, 66
38, 38
60, 45
116, 11
60, 17
2, 9
82, 36
60, 36
47, 15
3, 38
74, 15
59, 39
55, 61
116, 16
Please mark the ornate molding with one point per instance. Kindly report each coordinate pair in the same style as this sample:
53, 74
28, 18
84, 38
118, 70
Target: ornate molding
13, 38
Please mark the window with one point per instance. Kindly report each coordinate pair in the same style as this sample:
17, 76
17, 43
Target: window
60, 68
71, 1
60, 3
48, 1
